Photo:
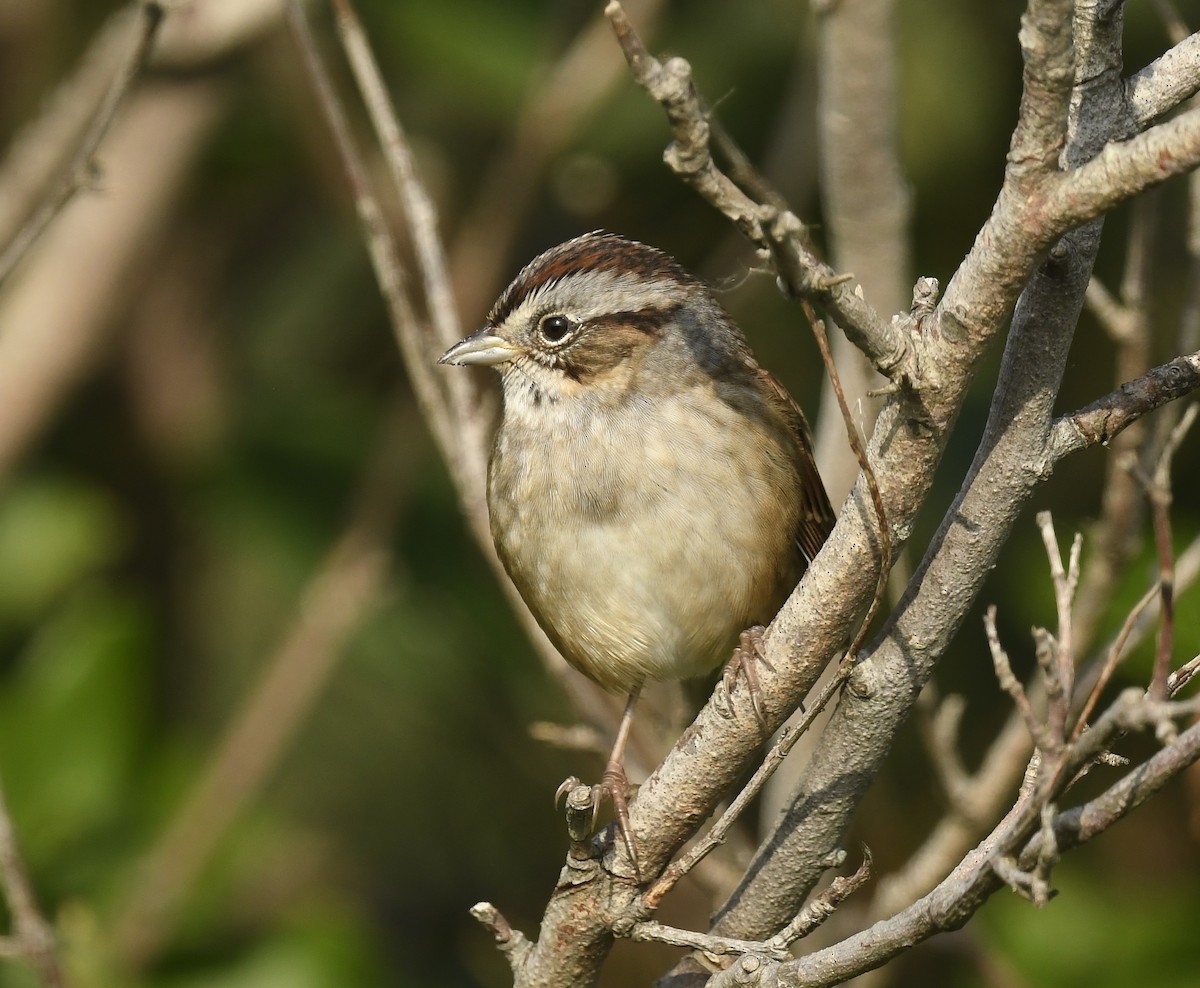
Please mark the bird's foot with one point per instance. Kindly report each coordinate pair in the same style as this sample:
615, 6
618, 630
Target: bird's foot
745, 659
615, 785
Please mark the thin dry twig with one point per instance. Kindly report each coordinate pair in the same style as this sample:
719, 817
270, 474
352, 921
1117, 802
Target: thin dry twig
1115, 536
708, 943
864, 462
32, 937
689, 156
1062, 649
512, 943
717, 833
979, 798
776, 947
1158, 490
80, 171
824, 905
1009, 682
1115, 652
381, 246
1106, 417
420, 212
1182, 676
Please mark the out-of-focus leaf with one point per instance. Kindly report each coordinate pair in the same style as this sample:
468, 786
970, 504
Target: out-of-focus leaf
324, 948
52, 531
1080, 939
72, 717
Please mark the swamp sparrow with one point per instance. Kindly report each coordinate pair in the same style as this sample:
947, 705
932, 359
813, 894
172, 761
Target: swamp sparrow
652, 489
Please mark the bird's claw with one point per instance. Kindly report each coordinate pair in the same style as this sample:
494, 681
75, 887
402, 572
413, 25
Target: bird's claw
745, 658
615, 785
568, 785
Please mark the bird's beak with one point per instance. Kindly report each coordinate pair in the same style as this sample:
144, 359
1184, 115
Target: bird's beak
483, 349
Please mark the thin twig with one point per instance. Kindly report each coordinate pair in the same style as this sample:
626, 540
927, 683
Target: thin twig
1009, 682
1158, 491
512, 943
1065, 581
1105, 418
80, 171
650, 931
824, 905
689, 156
32, 937
1116, 650
381, 245
1182, 676
983, 794
864, 462
715, 836
418, 205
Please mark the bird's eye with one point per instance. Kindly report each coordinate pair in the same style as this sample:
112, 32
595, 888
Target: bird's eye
554, 329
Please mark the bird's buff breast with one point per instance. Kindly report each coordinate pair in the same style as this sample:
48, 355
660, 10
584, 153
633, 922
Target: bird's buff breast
643, 539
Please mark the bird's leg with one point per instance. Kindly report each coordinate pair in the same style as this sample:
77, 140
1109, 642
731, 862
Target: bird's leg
745, 658
614, 782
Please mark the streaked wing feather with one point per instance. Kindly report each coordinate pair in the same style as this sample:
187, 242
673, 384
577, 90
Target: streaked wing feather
816, 513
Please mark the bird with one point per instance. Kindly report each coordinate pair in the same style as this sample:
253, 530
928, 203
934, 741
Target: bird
652, 490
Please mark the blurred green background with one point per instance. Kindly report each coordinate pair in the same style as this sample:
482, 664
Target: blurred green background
234, 388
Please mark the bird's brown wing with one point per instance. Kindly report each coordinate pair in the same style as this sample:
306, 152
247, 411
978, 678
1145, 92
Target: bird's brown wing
816, 513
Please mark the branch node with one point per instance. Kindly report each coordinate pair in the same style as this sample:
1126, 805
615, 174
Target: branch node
924, 298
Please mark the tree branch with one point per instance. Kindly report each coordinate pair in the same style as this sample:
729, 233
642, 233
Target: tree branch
959, 896
1105, 418
1165, 83
1007, 468
689, 157
80, 170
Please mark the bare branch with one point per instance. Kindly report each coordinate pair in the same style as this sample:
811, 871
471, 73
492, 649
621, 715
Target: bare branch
824, 905
1123, 169
705, 942
419, 207
80, 170
670, 84
868, 474
1047, 47
1115, 652
960, 895
1165, 83
1065, 582
1104, 418
980, 798
717, 833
